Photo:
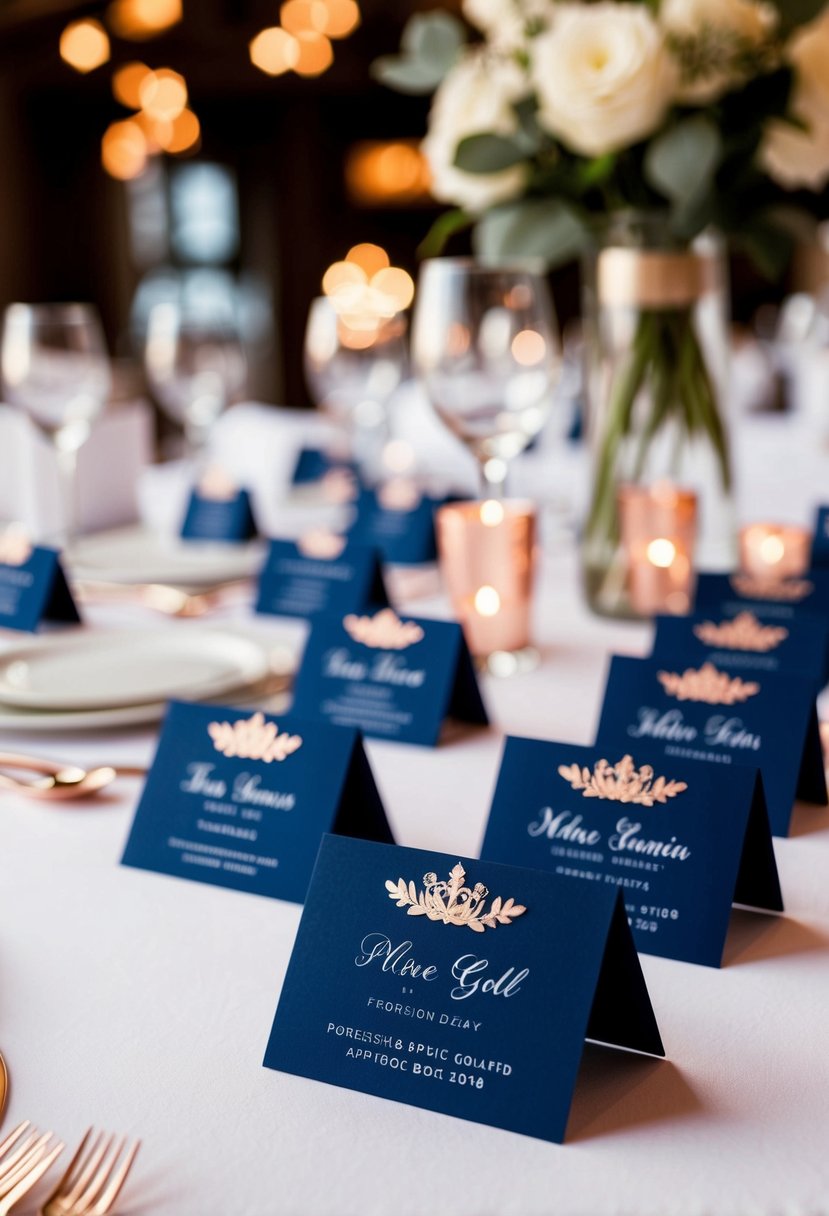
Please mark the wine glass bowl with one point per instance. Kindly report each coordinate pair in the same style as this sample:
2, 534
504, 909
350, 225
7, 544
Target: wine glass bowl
486, 350
195, 367
55, 368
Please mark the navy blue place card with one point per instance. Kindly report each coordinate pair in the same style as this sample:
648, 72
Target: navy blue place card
721, 716
799, 645
460, 986
321, 572
392, 679
820, 540
399, 521
682, 843
219, 511
313, 465
33, 586
768, 598
241, 800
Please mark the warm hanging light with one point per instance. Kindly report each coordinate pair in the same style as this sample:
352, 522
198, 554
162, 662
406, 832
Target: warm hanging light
126, 84
342, 19
300, 16
84, 45
124, 150
141, 19
163, 94
316, 54
274, 51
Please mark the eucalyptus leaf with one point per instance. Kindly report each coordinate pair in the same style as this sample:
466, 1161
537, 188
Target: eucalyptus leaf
542, 228
433, 38
683, 161
768, 244
405, 75
488, 153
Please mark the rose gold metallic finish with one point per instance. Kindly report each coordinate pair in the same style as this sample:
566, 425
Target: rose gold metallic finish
658, 525
487, 559
642, 278
25, 1156
94, 1179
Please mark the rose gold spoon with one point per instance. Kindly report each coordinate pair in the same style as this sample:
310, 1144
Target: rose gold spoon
59, 781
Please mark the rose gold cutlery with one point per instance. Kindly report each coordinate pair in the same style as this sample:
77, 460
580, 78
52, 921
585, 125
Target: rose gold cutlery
59, 781
94, 1177
25, 1156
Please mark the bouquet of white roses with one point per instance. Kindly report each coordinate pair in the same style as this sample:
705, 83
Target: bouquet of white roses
707, 113
715, 109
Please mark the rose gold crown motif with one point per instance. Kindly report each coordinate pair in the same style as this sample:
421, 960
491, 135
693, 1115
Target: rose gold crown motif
321, 543
621, 782
744, 632
253, 739
767, 587
385, 631
708, 685
15, 547
216, 484
339, 485
453, 903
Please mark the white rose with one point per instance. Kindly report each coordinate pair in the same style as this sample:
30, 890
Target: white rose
796, 158
603, 76
504, 22
718, 32
476, 97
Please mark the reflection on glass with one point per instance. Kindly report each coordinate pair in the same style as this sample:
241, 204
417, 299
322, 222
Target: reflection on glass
485, 346
195, 367
55, 367
352, 368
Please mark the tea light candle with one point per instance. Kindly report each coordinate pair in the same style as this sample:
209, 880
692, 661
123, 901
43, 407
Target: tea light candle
487, 555
775, 550
658, 525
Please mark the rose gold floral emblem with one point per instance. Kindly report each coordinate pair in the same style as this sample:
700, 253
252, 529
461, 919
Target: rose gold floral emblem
339, 485
217, 485
321, 543
766, 587
708, 685
399, 494
621, 782
385, 631
744, 632
453, 903
253, 739
15, 547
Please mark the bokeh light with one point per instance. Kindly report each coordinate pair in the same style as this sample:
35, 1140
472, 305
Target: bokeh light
370, 258
380, 172
343, 17
124, 150
299, 16
163, 94
84, 45
316, 53
274, 51
138, 20
126, 84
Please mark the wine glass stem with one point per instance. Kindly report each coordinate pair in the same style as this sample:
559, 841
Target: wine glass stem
67, 460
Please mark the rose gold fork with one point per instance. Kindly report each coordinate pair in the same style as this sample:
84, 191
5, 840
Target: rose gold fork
25, 1156
93, 1180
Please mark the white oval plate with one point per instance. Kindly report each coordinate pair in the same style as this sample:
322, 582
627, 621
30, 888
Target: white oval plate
136, 555
128, 668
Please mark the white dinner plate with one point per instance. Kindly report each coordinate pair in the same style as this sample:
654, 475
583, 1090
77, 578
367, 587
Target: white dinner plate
136, 555
127, 668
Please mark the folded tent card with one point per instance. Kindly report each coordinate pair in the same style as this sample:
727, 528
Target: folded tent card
798, 646
320, 572
682, 844
33, 586
398, 520
241, 800
721, 716
392, 679
218, 510
820, 540
459, 986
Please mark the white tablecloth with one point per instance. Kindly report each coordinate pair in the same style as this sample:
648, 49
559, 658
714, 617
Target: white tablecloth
143, 1004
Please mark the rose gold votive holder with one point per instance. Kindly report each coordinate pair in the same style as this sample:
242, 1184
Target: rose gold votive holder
487, 557
659, 529
775, 550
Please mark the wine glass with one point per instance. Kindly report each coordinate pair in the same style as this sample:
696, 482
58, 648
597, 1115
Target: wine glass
56, 368
353, 366
195, 367
485, 346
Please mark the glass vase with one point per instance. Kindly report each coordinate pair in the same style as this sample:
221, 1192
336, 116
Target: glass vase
656, 318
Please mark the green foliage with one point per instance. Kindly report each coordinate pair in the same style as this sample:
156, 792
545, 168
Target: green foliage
430, 44
545, 228
444, 228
